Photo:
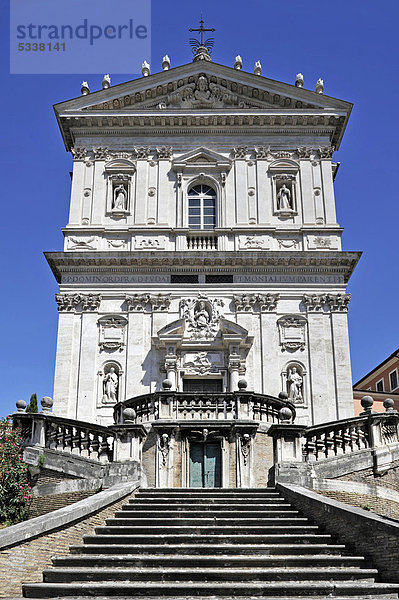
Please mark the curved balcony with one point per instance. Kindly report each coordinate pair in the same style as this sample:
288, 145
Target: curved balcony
189, 406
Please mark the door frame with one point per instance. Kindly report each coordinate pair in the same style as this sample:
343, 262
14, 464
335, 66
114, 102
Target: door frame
218, 461
224, 456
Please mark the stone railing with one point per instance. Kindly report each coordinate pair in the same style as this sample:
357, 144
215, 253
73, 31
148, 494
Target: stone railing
79, 438
202, 241
333, 439
188, 406
375, 432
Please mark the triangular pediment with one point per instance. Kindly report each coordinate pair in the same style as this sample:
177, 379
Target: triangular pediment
200, 86
202, 94
202, 157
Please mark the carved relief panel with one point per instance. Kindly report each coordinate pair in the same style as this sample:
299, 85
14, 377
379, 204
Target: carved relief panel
112, 331
292, 331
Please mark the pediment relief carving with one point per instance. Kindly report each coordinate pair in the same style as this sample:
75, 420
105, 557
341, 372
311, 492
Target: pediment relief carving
202, 91
202, 325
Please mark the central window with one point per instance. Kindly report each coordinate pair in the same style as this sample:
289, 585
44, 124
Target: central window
201, 207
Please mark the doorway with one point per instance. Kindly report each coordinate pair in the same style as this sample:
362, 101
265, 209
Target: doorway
205, 465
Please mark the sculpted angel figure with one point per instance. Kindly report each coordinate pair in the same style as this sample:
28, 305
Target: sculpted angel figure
284, 198
294, 381
120, 197
111, 386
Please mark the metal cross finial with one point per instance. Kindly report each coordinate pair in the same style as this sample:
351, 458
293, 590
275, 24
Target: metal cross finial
201, 30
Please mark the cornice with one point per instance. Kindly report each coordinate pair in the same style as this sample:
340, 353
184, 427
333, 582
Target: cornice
341, 263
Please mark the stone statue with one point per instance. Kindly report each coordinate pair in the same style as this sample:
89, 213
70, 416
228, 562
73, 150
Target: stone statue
120, 197
110, 386
294, 384
284, 198
201, 315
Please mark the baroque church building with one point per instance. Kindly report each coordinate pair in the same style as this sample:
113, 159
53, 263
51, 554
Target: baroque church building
202, 282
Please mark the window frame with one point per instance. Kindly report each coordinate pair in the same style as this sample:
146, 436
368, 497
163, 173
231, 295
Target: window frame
202, 197
383, 385
397, 380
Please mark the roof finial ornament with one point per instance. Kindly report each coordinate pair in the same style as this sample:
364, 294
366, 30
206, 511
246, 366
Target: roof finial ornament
106, 82
320, 86
203, 48
238, 62
258, 68
145, 69
299, 80
166, 63
85, 88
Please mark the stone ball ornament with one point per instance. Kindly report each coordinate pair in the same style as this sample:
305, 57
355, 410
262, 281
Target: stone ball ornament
242, 384
46, 403
285, 414
389, 404
167, 384
21, 405
367, 402
128, 415
283, 396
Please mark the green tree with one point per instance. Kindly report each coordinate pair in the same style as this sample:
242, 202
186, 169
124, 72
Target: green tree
15, 491
32, 406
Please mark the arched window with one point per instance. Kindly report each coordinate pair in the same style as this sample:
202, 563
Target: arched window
201, 207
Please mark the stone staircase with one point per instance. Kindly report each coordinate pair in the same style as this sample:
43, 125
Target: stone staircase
187, 543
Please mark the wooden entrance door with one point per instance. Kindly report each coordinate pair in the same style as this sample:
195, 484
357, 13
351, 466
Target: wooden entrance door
205, 465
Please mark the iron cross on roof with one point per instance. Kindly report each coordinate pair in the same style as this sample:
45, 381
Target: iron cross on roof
207, 44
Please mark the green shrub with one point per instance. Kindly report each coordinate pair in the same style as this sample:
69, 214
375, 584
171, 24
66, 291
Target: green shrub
15, 491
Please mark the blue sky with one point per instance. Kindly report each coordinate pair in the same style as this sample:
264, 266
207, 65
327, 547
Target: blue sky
352, 45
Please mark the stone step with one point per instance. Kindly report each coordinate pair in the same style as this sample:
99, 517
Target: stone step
200, 529
369, 596
163, 574
216, 491
205, 512
199, 506
210, 549
196, 589
298, 538
202, 500
203, 520
233, 560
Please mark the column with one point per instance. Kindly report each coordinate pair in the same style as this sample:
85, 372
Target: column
77, 192
328, 192
306, 192
343, 379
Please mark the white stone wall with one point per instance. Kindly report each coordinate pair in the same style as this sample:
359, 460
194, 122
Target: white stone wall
157, 206
322, 353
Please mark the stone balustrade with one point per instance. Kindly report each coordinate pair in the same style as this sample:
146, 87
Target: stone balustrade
376, 434
202, 241
79, 438
187, 406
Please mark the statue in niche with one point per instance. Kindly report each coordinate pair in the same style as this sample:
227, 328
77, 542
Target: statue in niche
110, 385
201, 315
120, 198
294, 385
284, 198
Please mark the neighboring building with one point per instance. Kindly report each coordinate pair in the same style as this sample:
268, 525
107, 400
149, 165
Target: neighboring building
381, 383
202, 248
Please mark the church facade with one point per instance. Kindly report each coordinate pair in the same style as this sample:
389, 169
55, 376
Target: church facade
202, 260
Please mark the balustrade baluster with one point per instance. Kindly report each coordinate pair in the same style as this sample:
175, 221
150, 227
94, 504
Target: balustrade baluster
51, 436
94, 446
76, 440
84, 443
60, 438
